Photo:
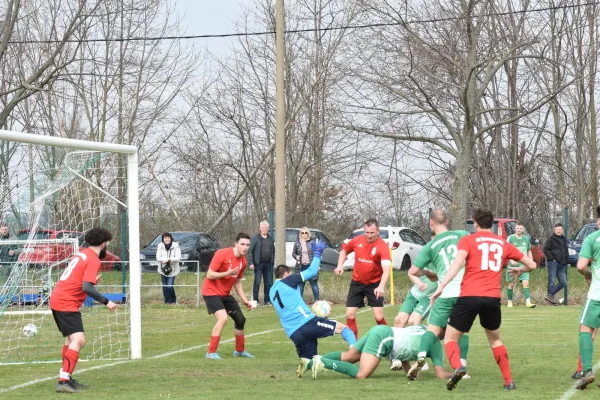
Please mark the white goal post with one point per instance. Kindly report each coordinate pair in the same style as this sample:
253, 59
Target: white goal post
132, 205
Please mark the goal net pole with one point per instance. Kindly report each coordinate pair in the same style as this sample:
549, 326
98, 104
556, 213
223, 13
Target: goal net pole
135, 271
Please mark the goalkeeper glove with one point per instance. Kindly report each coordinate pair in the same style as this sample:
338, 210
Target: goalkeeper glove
318, 247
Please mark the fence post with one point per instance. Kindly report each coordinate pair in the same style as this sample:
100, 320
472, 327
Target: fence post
566, 229
197, 284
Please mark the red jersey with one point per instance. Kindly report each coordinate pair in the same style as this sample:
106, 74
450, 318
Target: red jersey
67, 295
487, 253
221, 262
367, 258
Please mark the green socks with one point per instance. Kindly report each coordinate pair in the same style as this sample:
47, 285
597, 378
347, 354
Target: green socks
335, 355
527, 293
586, 348
426, 342
463, 343
342, 367
510, 294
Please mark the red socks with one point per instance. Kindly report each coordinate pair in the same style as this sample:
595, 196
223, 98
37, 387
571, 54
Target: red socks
501, 357
69, 362
214, 343
381, 322
579, 366
453, 354
239, 343
351, 323
65, 348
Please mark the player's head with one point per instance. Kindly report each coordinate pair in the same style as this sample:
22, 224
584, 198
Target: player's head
438, 220
483, 218
3, 231
282, 271
305, 234
263, 227
98, 238
519, 228
167, 238
371, 230
242, 243
558, 229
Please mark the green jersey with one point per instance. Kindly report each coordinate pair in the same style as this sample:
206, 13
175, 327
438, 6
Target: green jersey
440, 252
590, 249
431, 287
406, 342
523, 244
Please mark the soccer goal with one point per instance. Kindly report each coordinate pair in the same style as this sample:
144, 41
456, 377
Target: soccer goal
52, 190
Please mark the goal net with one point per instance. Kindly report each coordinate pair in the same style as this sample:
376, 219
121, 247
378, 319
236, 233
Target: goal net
49, 197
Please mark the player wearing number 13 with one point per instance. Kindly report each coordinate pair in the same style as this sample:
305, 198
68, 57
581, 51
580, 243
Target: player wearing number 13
484, 254
76, 283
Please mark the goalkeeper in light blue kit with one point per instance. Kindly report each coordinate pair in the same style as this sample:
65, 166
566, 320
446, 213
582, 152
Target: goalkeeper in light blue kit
299, 323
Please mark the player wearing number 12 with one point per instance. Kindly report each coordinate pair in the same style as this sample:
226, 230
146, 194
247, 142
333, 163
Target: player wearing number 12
484, 254
299, 323
76, 283
437, 255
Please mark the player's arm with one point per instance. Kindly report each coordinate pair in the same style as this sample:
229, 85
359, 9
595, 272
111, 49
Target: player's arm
90, 289
341, 260
385, 266
456, 266
214, 266
240, 292
318, 247
584, 259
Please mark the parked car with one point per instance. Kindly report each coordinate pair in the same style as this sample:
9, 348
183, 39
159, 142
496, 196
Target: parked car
195, 246
505, 227
52, 253
330, 255
577, 241
404, 242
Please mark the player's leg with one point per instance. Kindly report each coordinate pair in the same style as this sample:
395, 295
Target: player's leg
70, 325
461, 320
420, 312
438, 318
345, 332
232, 308
216, 307
437, 359
590, 320
579, 372
527, 291
354, 301
510, 285
375, 303
490, 318
407, 307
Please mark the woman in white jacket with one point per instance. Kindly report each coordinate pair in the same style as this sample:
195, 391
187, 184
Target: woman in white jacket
168, 255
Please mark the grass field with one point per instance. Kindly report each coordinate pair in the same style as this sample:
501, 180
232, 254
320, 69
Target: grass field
542, 345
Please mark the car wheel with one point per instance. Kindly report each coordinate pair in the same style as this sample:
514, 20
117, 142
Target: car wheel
405, 266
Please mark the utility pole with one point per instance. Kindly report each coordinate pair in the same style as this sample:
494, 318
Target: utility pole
279, 136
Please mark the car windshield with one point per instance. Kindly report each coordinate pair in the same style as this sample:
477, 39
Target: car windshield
585, 231
471, 227
179, 237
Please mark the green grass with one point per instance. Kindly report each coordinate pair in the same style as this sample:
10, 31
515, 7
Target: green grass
542, 345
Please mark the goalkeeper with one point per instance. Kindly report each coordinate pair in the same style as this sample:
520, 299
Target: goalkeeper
381, 341
299, 323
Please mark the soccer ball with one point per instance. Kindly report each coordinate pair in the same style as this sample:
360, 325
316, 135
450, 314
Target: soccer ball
30, 330
321, 309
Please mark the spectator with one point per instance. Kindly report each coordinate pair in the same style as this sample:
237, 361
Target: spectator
557, 254
8, 253
262, 258
168, 254
303, 254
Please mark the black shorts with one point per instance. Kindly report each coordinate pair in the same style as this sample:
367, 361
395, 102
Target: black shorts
468, 308
305, 337
216, 303
357, 293
68, 322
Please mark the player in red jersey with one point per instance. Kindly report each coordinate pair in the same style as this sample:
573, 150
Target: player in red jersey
76, 283
225, 272
370, 275
485, 253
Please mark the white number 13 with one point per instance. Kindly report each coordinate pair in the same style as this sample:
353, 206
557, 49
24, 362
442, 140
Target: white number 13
496, 251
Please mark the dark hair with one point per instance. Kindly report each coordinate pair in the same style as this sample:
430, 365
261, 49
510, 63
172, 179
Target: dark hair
281, 270
484, 218
242, 235
97, 236
519, 223
167, 234
371, 222
556, 225
598, 211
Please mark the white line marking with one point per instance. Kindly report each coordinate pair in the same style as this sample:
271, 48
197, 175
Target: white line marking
569, 393
49, 378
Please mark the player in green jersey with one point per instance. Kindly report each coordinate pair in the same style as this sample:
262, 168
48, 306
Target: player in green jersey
590, 316
416, 306
521, 242
439, 252
380, 341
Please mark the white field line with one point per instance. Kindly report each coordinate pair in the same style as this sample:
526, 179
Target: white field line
571, 391
80, 371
